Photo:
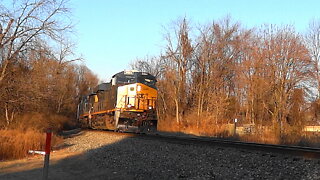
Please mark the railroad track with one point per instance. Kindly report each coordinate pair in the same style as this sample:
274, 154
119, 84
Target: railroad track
306, 152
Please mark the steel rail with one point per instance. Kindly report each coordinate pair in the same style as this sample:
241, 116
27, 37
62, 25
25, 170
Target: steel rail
306, 152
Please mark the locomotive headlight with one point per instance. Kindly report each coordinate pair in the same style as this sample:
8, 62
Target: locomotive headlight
138, 88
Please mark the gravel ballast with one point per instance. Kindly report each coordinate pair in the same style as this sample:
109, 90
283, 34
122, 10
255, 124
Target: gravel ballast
121, 156
141, 158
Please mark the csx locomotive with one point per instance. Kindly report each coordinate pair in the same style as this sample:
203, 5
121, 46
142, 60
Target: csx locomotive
126, 103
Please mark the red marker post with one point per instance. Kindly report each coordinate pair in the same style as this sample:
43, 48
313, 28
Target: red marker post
47, 155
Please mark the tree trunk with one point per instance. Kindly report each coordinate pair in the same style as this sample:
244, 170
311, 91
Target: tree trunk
177, 112
7, 115
3, 70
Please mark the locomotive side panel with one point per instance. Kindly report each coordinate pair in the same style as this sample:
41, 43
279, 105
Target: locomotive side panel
110, 98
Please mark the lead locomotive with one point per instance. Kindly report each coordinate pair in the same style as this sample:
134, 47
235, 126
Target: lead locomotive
126, 103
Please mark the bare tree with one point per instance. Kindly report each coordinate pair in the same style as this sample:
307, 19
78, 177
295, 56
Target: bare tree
313, 43
152, 65
214, 70
27, 21
288, 66
179, 53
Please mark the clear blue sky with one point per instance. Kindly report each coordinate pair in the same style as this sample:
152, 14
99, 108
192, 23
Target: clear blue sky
113, 33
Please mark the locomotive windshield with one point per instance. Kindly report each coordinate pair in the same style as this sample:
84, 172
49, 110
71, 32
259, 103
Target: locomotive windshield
134, 77
148, 80
125, 79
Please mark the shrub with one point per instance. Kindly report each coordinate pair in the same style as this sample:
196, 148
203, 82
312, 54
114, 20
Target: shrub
15, 143
42, 121
190, 125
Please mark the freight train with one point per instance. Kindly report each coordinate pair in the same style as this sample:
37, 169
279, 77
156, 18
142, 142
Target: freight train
126, 103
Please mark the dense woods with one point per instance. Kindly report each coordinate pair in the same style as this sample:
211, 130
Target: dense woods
40, 82
265, 77
41, 78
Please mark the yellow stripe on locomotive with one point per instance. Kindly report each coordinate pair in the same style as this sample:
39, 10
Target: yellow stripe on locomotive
136, 97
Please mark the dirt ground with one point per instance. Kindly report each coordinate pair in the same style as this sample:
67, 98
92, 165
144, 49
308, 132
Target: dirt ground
62, 166
33, 163
67, 163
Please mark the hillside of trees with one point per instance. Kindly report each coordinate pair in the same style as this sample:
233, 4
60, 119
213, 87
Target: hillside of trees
210, 75
41, 79
38, 76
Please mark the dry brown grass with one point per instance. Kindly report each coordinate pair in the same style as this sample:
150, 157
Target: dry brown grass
41, 121
204, 127
264, 136
168, 125
260, 134
290, 136
296, 136
312, 140
28, 133
15, 143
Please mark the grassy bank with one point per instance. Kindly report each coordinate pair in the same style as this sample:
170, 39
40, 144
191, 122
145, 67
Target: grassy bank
258, 134
15, 143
